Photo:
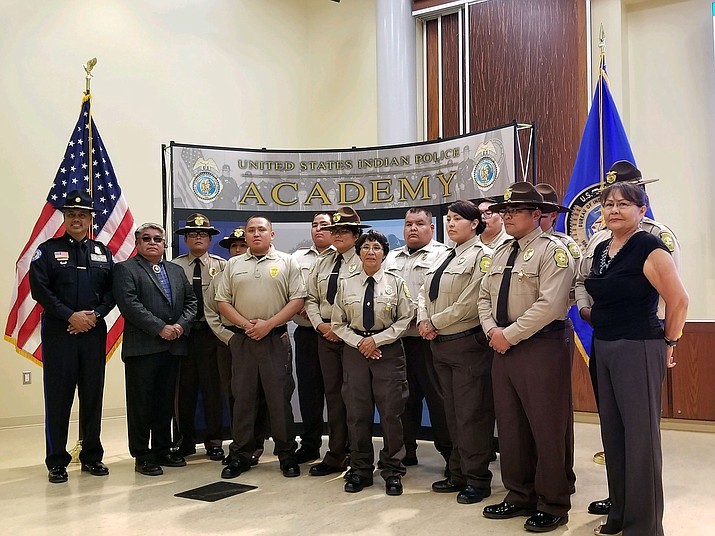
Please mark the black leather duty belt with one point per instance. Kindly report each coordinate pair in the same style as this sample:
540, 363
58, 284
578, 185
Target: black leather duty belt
460, 335
280, 330
556, 325
368, 333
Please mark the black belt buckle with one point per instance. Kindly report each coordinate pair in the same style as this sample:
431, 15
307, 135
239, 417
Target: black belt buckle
368, 333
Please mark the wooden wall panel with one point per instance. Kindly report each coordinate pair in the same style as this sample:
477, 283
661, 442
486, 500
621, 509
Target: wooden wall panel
451, 118
583, 399
432, 74
693, 378
528, 62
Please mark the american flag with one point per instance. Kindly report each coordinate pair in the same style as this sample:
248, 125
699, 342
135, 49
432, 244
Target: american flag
85, 165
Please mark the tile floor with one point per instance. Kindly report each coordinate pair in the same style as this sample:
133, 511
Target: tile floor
129, 504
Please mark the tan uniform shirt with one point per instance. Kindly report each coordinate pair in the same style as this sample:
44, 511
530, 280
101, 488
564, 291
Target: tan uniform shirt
211, 265
412, 267
575, 251
306, 258
393, 308
260, 288
491, 247
216, 322
540, 284
316, 304
584, 268
454, 309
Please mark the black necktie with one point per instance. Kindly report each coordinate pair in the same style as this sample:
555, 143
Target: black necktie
198, 290
333, 280
503, 298
368, 307
434, 284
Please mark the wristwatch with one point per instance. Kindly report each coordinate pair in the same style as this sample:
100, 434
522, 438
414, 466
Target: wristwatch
97, 315
670, 343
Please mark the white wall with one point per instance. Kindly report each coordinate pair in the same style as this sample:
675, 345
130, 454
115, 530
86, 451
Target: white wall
248, 73
660, 58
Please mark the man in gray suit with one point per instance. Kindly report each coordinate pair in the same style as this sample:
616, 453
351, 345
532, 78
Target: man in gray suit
158, 305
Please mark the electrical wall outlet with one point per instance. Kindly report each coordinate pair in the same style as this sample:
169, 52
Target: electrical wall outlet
26, 377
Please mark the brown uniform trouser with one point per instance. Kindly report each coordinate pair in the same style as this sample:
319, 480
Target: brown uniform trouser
532, 393
225, 364
423, 385
267, 363
331, 366
463, 367
370, 382
198, 371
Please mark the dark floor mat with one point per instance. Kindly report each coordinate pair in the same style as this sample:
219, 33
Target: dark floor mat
215, 492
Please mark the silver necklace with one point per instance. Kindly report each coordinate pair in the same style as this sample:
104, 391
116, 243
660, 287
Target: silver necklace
605, 261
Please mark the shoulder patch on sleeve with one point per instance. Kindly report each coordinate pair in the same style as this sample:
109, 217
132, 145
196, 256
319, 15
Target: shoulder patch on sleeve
667, 239
405, 289
37, 254
561, 258
574, 250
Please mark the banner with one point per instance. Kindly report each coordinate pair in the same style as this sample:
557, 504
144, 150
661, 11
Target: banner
394, 177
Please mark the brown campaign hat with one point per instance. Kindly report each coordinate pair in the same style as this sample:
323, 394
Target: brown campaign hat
237, 235
625, 171
346, 217
78, 199
550, 196
198, 222
522, 194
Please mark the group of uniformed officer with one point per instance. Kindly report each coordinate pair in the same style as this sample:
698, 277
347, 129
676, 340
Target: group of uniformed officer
476, 330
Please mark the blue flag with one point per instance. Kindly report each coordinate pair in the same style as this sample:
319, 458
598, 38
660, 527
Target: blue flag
603, 143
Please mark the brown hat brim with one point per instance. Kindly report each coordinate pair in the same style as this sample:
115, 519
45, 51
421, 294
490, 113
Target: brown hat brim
555, 207
212, 231
347, 224
544, 207
226, 242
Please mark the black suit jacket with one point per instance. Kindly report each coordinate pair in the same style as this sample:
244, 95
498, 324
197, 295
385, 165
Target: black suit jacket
146, 309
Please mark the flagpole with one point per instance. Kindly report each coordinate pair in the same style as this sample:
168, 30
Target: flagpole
601, 64
88, 97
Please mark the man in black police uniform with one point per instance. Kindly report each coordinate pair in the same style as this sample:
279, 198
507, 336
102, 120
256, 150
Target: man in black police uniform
70, 277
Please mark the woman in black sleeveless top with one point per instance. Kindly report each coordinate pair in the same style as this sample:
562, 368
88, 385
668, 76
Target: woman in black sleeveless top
629, 272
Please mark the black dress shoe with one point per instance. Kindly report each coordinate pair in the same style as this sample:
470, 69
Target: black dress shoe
505, 510
543, 522
57, 474
170, 460
393, 485
254, 460
148, 468
215, 453
303, 455
233, 469
183, 452
357, 483
290, 469
96, 468
447, 486
410, 459
471, 495
323, 469
600, 508
347, 474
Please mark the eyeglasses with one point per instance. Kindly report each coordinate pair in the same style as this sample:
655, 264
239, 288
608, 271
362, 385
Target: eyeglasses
488, 214
621, 205
155, 239
370, 249
197, 234
513, 211
340, 231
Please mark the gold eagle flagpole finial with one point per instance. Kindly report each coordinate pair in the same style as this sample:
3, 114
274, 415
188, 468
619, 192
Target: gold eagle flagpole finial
88, 69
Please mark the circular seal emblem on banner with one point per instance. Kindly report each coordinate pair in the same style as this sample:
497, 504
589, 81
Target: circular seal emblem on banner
206, 186
585, 219
486, 170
